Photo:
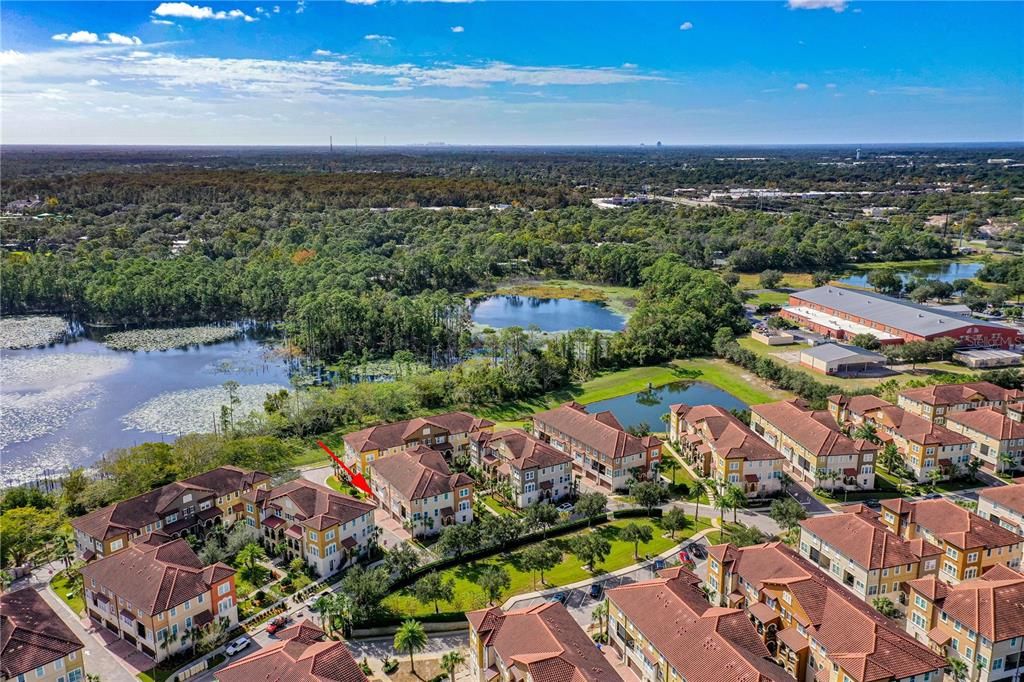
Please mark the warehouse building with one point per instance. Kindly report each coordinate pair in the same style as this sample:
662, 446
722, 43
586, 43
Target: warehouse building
840, 359
841, 314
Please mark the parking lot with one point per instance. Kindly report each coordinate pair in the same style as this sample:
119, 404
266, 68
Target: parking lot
581, 604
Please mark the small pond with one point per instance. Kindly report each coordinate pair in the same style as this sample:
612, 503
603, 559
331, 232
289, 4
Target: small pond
548, 314
648, 406
944, 272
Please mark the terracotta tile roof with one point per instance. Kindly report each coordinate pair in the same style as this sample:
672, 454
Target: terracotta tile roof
730, 437
816, 431
155, 576
394, 435
956, 394
992, 604
527, 451
990, 422
930, 587
867, 646
862, 538
418, 473
302, 654
1009, 496
128, 516
858, 404
31, 634
600, 431
792, 638
315, 506
958, 526
545, 641
914, 428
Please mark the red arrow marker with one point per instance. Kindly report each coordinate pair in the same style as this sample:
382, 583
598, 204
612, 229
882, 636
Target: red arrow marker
357, 479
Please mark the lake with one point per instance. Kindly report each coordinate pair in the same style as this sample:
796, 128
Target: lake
945, 272
548, 314
67, 404
648, 406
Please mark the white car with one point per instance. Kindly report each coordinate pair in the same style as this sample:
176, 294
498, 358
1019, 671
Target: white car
237, 645
565, 507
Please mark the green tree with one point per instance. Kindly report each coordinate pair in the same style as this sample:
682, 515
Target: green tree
402, 560
458, 539
648, 494
493, 580
770, 279
450, 663
637, 533
735, 498
26, 530
433, 588
412, 639
885, 607
296, 567
698, 489
973, 466
591, 505
956, 667
787, 512
674, 520
600, 616
367, 588
539, 558
866, 431
671, 465
541, 515
250, 557
590, 548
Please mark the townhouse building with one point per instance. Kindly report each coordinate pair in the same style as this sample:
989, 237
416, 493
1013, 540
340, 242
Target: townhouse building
935, 402
301, 653
1015, 411
850, 409
417, 489
924, 445
817, 630
654, 626
447, 433
190, 506
857, 551
542, 643
157, 595
603, 453
737, 455
816, 451
970, 544
535, 471
35, 644
977, 622
1003, 505
324, 528
997, 440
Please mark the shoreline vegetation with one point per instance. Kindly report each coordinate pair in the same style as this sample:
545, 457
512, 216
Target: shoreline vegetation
620, 300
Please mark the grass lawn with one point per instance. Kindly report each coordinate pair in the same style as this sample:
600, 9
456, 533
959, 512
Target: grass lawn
469, 595
731, 379
847, 384
156, 674
497, 506
790, 280
779, 298
345, 488
608, 385
885, 488
61, 585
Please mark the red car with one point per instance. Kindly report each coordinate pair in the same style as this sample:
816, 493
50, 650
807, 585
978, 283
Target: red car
684, 557
277, 624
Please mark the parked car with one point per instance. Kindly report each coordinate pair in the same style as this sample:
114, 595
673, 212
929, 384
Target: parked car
872, 503
659, 564
560, 597
277, 624
238, 645
684, 557
933, 496
697, 550
595, 590
565, 507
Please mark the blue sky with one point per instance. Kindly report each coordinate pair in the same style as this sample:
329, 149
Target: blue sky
802, 71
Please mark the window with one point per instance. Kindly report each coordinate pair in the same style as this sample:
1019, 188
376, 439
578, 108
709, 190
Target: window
972, 557
223, 589
919, 601
464, 492
116, 545
174, 611
313, 535
329, 535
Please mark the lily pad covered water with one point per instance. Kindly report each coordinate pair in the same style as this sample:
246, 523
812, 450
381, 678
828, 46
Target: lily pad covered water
165, 339
31, 331
68, 404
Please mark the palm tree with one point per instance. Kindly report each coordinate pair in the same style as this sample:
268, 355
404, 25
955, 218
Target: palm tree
736, 499
722, 504
1007, 460
600, 616
698, 489
866, 431
411, 638
250, 557
450, 661
62, 550
956, 667
323, 606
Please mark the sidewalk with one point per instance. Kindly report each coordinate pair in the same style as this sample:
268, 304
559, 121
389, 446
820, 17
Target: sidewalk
647, 563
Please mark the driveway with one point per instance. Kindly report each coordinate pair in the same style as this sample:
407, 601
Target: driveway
319, 474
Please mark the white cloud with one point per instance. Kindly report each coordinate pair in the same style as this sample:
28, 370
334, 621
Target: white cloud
300, 6
92, 82
12, 57
362, 2
161, 22
77, 37
90, 38
458, 29
834, 5
328, 53
831, 86
628, 65
685, 26
118, 39
277, 9
184, 10
801, 86
378, 37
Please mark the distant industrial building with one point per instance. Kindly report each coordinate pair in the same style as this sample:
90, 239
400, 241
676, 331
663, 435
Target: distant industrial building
983, 359
837, 358
841, 314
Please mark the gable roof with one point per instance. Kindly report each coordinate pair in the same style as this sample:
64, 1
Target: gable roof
419, 472
527, 451
730, 437
128, 516
600, 431
1009, 496
315, 506
830, 352
396, 434
815, 430
992, 604
544, 639
953, 524
154, 575
915, 428
31, 634
862, 538
673, 614
302, 654
957, 394
858, 404
990, 422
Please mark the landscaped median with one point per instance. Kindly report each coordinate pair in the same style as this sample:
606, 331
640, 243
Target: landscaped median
469, 595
